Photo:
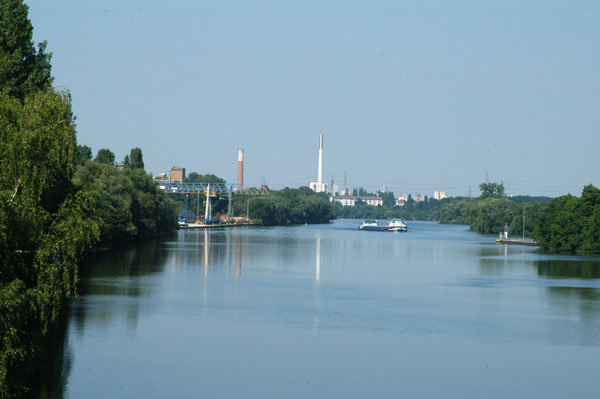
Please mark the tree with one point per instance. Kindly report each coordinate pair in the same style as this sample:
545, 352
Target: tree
135, 160
198, 178
570, 224
129, 204
491, 190
83, 154
105, 156
490, 215
44, 227
388, 198
292, 206
23, 70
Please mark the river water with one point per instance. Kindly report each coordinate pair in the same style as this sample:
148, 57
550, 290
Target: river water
330, 311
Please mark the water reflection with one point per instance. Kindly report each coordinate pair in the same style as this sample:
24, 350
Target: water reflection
330, 288
208, 248
56, 370
498, 260
318, 256
569, 284
119, 267
569, 268
576, 313
118, 272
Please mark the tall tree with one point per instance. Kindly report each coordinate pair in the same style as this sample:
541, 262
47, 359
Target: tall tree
44, 223
44, 227
491, 190
23, 69
83, 154
136, 159
105, 156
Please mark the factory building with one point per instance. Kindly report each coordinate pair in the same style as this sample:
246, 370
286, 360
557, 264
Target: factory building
176, 174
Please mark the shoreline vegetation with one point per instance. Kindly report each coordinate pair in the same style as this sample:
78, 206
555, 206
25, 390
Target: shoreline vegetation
563, 225
56, 203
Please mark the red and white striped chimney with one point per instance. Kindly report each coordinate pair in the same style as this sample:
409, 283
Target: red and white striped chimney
240, 167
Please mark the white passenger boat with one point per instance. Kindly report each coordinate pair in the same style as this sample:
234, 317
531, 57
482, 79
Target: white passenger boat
392, 225
396, 225
372, 225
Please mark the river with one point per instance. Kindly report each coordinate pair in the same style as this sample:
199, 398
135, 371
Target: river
330, 311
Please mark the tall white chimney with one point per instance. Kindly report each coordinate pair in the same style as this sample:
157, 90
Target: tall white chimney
320, 175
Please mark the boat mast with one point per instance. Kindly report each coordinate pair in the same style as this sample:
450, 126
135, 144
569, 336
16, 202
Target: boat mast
207, 210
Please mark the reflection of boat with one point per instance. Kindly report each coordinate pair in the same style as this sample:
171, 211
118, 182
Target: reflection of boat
396, 225
372, 225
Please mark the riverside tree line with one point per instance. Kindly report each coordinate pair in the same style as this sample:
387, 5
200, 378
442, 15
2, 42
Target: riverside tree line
566, 224
55, 202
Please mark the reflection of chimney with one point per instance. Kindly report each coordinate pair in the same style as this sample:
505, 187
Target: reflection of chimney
241, 167
320, 176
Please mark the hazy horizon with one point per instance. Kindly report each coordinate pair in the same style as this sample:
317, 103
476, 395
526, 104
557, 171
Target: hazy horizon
419, 96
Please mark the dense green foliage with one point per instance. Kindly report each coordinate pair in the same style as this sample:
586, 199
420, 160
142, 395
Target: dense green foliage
129, 204
291, 206
105, 155
490, 214
570, 224
207, 178
47, 221
23, 70
489, 189
83, 154
44, 223
134, 160
44, 227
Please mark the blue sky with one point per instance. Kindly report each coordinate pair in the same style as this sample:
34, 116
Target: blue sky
418, 95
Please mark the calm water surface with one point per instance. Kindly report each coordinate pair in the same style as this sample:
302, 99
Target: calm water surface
330, 311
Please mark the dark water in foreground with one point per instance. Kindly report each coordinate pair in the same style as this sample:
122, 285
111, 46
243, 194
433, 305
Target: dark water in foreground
330, 311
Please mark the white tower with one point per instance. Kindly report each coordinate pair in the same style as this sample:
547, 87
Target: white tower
318, 185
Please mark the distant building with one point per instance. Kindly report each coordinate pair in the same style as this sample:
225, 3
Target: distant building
349, 200
344, 200
419, 197
318, 187
335, 189
119, 165
401, 200
438, 195
372, 200
161, 178
176, 174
